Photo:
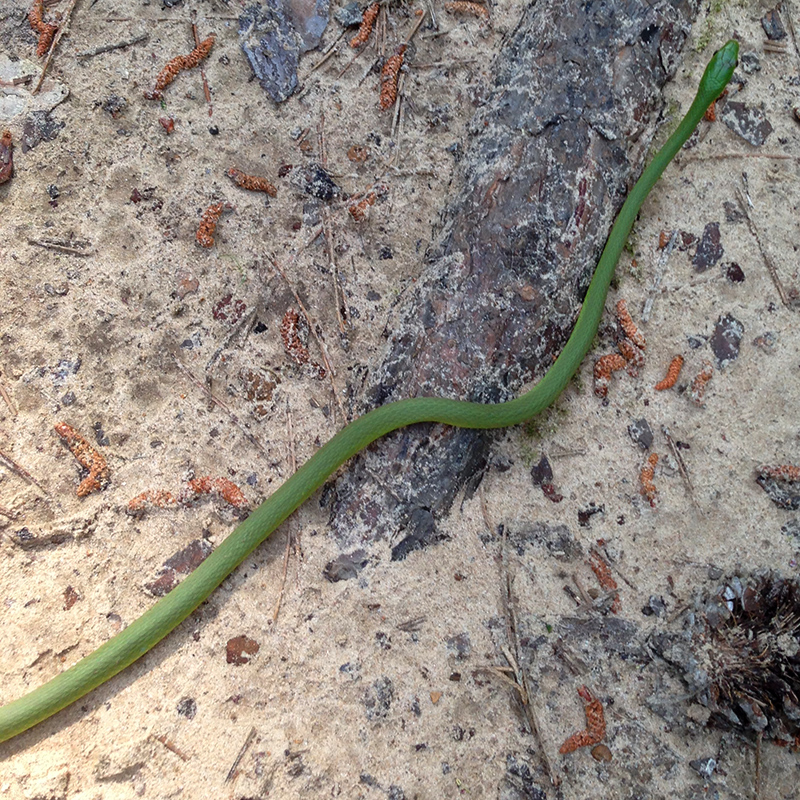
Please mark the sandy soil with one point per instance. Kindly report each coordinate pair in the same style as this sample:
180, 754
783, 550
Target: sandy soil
389, 685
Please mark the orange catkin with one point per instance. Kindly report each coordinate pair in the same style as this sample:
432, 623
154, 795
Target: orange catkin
175, 65
465, 7
87, 457
780, 472
358, 211
6, 157
604, 577
603, 368
208, 224
673, 371
389, 77
365, 29
251, 182
646, 479
293, 343
595, 730
699, 384
629, 326
45, 30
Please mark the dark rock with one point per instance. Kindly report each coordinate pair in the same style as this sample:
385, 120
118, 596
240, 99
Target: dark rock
726, 339
378, 698
555, 539
465, 330
710, 250
187, 707
773, 25
749, 63
272, 47
345, 566
747, 121
542, 472
315, 181
349, 15
734, 273
640, 431
309, 18
733, 213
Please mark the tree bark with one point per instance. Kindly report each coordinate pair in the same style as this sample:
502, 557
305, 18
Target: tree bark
551, 157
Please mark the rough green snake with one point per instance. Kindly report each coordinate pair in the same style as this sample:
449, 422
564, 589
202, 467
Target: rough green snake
143, 634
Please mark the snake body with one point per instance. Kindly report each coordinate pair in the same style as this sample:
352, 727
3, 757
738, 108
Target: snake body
144, 633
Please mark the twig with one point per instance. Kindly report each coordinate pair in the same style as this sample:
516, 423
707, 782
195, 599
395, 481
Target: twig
172, 747
312, 328
61, 248
107, 48
243, 324
293, 469
791, 30
328, 53
659, 276
7, 399
202, 69
249, 436
328, 229
6, 512
681, 465
236, 761
19, 470
519, 674
719, 156
56, 39
746, 203
757, 787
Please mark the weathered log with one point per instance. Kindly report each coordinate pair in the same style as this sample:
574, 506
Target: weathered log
555, 150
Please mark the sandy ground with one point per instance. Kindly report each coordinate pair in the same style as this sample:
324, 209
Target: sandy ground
388, 685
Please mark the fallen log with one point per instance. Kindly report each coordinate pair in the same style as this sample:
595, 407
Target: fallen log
552, 154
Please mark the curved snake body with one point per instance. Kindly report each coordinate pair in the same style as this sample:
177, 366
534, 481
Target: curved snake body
143, 634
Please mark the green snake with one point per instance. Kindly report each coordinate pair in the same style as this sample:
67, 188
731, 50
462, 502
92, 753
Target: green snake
143, 634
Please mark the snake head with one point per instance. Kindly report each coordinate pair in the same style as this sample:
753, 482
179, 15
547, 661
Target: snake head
719, 71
